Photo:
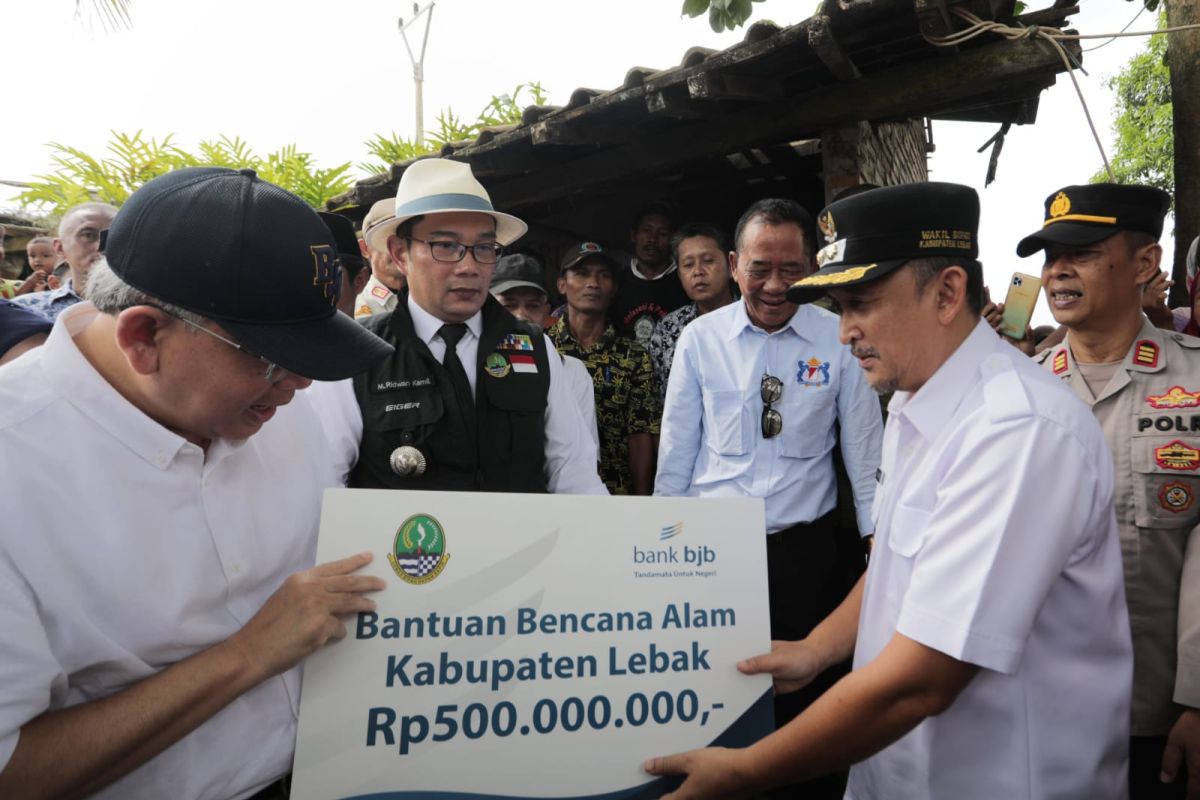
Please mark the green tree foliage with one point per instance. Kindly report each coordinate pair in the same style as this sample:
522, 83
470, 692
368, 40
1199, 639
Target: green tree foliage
133, 159
723, 15
1145, 146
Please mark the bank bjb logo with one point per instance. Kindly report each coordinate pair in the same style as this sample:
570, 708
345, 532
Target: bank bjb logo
419, 550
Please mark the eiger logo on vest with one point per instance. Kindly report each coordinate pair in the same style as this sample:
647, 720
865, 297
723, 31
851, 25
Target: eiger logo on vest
325, 271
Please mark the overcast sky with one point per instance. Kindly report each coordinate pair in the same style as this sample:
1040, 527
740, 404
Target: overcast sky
328, 76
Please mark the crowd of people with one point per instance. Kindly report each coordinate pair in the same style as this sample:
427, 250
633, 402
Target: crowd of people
1027, 622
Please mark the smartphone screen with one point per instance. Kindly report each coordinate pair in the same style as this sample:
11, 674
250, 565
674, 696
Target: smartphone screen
1023, 291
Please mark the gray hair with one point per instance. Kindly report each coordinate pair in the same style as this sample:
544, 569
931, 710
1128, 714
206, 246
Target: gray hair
112, 295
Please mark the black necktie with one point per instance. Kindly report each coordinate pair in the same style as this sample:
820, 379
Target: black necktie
451, 334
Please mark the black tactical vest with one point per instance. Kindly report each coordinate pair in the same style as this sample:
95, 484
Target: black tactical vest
408, 399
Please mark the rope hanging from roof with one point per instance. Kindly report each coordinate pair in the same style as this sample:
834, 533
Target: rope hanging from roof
1055, 36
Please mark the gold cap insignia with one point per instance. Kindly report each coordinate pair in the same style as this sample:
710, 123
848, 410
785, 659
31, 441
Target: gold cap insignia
835, 278
1061, 205
825, 223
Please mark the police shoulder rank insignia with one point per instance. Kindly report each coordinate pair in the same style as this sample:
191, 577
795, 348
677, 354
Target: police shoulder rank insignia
1060, 362
380, 292
813, 372
419, 550
1176, 397
1176, 497
1177, 456
496, 365
516, 341
1145, 353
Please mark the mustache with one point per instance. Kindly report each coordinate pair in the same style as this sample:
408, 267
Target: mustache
864, 352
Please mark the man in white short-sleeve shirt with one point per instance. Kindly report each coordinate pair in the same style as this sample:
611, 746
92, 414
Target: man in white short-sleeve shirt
154, 607
992, 655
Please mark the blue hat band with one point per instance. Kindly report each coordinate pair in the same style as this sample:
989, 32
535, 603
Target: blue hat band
442, 202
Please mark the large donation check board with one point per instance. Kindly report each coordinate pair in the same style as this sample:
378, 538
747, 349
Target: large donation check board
534, 646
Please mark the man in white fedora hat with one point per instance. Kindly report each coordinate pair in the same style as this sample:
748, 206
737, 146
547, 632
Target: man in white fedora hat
470, 400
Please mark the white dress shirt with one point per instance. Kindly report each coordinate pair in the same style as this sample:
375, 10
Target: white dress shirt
125, 548
712, 444
996, 544
571, 452
585, 394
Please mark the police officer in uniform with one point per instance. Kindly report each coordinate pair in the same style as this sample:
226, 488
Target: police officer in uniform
1143, 385
470, 400
381, 289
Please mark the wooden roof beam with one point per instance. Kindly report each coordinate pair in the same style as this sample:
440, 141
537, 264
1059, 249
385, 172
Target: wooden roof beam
908, 90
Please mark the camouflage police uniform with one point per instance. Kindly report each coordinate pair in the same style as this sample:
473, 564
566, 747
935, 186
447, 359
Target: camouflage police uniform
1150, 414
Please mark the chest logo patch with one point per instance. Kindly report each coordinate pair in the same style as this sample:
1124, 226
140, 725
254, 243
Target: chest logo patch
1060, 362
496, 365
813, 372
1176, 397
1145, 353
1177, 456
419, 549
1176, 497
516, 341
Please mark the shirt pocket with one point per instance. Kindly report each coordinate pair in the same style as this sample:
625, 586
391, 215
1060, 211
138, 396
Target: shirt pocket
726, 426
906, 530
1165, 482
808, 417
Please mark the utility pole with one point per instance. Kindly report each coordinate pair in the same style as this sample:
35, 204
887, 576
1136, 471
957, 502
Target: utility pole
418, 64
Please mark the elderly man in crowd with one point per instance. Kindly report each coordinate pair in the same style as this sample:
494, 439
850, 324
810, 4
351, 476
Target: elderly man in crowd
990, 637
473, 399
761, 392
704, 272
383, 287
154, 614
77, 244
1143, 385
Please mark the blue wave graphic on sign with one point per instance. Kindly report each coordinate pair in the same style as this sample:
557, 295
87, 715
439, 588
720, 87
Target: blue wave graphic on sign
670, 531
755, 723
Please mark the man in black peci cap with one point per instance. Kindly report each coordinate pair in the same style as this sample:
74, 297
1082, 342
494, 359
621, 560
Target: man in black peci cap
1143, 386
153, 614
990, 638
354, 267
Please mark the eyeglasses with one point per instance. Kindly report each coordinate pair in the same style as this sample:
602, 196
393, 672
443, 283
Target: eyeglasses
274, 373
452, 252
772, 421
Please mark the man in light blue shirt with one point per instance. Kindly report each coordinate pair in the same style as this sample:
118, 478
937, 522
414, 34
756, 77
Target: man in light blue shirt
760, 393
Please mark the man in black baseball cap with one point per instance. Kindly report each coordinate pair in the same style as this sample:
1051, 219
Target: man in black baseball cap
155, 609
990, 627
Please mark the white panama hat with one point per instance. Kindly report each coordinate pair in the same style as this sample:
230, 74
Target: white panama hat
441, 186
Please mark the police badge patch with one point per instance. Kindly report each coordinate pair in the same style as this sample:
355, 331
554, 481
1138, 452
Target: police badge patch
1175, 497
419, 549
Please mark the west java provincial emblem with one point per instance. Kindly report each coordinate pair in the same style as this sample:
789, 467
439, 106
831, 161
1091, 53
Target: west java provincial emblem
419, 550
